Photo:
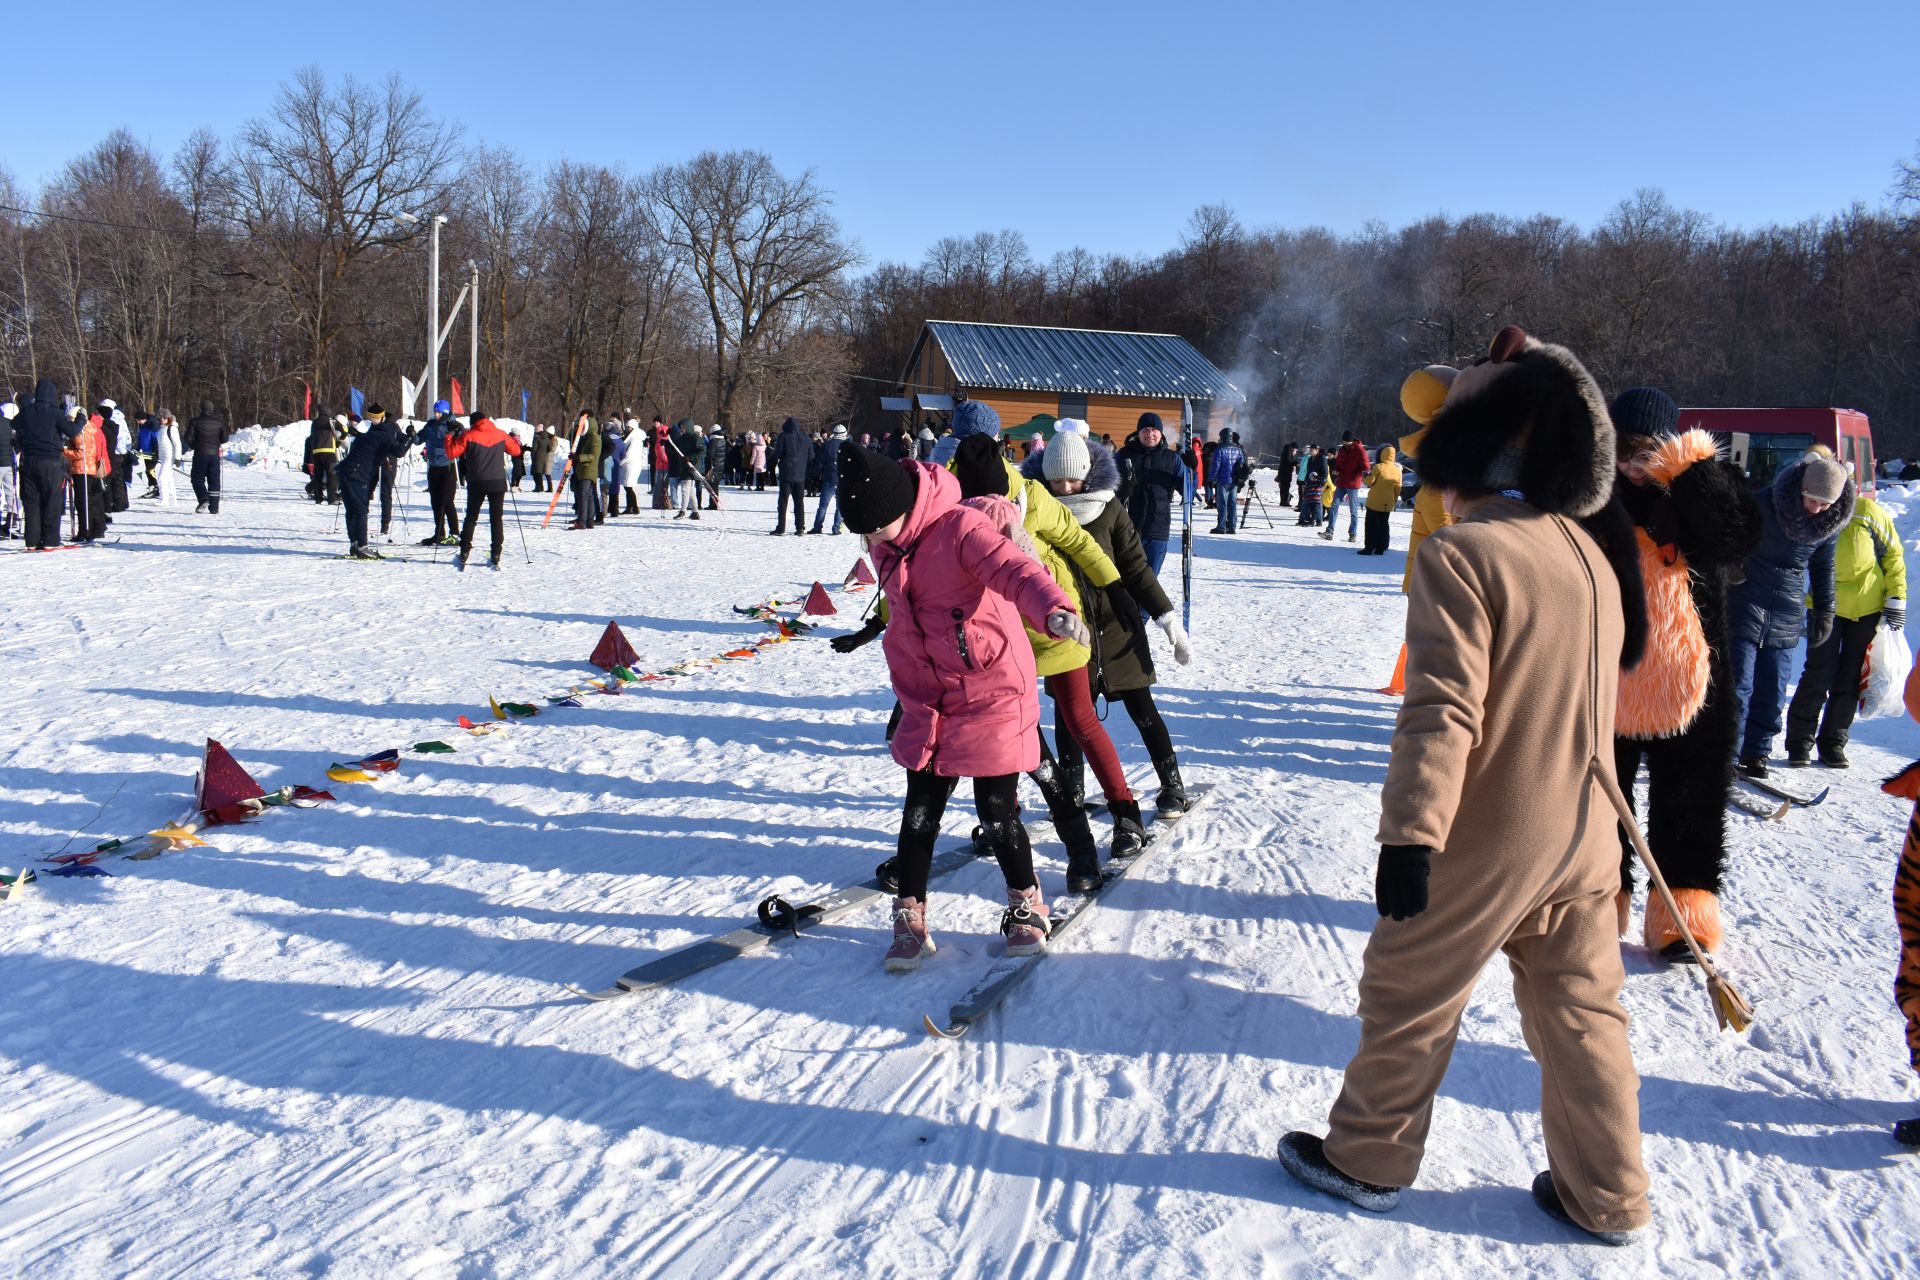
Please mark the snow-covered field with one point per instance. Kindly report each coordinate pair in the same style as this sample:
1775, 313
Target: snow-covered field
336, 1042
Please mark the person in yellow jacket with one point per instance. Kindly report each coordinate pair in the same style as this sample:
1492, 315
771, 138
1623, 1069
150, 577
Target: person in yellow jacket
1383, 495
1068, 552
1870, 577
1421, 396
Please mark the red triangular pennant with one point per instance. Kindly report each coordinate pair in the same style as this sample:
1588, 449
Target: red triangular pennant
613, 649
861, 573
222, 781
818, 602
459, 410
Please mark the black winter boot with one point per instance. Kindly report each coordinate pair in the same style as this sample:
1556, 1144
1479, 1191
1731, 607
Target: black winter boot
1301, 1155
1908, 1131
1129, 835
1173, 802
1799, 755
1547, 1196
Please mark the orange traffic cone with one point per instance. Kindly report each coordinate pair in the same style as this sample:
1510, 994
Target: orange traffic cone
1397, 687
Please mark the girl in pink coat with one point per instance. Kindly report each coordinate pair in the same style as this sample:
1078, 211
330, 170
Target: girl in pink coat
956, 590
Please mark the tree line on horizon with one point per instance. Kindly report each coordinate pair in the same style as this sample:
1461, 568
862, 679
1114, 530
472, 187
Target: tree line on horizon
294, 255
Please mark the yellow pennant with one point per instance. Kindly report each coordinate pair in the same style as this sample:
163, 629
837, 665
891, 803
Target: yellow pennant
347, 773
177, 837
494, 707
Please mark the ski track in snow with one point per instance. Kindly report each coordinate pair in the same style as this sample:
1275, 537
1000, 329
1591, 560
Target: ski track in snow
336, 1043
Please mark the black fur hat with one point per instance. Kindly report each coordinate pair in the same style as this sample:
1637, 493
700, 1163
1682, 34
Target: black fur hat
1527, 416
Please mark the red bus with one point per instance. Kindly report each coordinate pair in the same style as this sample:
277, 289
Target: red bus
1762, 441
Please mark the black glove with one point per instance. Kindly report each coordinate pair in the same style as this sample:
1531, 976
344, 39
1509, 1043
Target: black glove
853, 640
1400, 882
1894, 614
1819, 630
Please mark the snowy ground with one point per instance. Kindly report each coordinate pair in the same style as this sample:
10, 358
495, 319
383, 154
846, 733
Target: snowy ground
336, 1043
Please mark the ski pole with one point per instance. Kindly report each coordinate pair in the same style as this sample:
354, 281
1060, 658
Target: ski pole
515, 500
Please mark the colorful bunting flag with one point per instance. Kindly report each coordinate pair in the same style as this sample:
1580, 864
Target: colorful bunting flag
494, 707
79, 869
524, 710
565, 700
177, 836
432, 748
13, 886
347, 773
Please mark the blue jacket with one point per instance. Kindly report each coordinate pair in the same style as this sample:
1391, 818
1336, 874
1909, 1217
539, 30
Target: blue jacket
433, 439
1794, 560
830, 466
370, 448
1227, 461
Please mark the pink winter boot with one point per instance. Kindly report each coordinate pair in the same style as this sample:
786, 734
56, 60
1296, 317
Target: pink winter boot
1026, 922
911, 944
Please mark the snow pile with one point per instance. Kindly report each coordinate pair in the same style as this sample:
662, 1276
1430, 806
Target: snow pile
270, 447
1902, 502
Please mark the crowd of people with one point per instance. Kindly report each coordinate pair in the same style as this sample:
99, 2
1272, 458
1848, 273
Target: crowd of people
1592, 590
66, 471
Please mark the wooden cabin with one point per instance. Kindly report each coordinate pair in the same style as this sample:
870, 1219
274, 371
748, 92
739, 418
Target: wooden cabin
1033, 376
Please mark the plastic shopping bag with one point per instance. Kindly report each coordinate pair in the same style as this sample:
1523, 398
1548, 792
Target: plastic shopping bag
1883, 679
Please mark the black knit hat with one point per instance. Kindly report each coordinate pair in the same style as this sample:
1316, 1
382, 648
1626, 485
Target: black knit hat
1644, 411
874, 489
978, 468
1149, 420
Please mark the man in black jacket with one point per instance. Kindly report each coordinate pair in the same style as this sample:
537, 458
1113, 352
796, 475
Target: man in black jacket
9, 487
792, 451
205, 436
42, 432
375, 443
1151, 477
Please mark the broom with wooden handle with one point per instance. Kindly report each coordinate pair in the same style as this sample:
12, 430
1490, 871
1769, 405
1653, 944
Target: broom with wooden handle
1729, 1006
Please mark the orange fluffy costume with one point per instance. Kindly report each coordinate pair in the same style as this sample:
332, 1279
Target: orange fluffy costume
1906, 909
1694, 523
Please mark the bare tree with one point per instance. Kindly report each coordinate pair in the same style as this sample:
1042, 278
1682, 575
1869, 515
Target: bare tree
317, 185
761, 249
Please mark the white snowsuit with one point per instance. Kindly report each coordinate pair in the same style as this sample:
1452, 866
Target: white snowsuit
166, 452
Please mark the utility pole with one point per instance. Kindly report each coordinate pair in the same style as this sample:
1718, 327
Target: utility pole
433, 312
473, 335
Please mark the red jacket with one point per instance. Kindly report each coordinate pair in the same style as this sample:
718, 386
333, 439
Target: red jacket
485, 447
1350, 466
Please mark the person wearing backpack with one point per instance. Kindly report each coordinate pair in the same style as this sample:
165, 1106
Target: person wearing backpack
1870, 581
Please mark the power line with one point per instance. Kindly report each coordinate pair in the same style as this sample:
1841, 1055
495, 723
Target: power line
126, 226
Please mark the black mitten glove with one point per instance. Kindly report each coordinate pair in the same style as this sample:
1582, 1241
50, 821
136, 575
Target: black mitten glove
1400, 883
1821, 628
853, 640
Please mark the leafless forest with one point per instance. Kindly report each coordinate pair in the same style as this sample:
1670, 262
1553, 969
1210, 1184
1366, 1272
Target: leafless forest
241, 270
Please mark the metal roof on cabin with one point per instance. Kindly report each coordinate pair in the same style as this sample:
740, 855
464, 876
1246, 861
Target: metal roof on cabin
1079, 361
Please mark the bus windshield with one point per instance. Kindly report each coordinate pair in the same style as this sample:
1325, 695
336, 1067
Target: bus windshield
1769, 455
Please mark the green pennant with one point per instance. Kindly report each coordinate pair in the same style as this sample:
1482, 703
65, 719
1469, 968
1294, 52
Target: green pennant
520, 708
107, 846
624, 675
274, 798
432, 748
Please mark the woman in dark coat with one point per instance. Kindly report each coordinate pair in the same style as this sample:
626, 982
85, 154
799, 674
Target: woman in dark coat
1801, 514
1083, 474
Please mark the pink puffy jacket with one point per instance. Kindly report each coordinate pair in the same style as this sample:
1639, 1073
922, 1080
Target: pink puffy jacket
961, 665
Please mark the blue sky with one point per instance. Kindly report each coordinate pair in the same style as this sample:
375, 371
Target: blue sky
931, 120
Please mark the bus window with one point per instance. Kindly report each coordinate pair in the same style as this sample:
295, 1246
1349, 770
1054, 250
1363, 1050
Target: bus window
1769, 455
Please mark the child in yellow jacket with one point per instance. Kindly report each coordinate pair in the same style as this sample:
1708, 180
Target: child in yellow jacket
1383, 495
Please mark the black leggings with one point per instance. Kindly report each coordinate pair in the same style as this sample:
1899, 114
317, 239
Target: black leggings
1145, 715
997, 802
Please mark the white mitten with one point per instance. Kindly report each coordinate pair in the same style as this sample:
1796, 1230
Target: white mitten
1177, 635
1067, 626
